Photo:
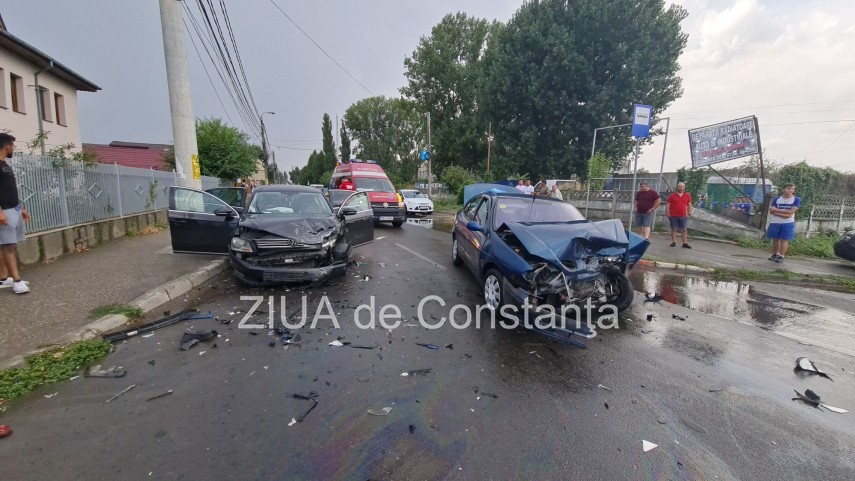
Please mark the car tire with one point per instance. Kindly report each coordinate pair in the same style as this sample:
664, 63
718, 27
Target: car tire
623, 299
397, 223
455, 253
493, 290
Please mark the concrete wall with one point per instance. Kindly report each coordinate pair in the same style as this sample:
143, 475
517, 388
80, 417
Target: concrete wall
25, 125
46, 246
820, 226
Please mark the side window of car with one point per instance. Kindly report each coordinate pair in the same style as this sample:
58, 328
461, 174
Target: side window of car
469, 209
481, 212
197, 202
359, 201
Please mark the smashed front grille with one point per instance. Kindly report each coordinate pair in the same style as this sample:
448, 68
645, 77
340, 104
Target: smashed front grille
306, 259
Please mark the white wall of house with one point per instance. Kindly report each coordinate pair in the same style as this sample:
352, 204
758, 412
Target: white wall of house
24, 125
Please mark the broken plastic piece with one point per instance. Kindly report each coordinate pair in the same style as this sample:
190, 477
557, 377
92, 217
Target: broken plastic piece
305, 397
652, 297
190, 338
412, 428
490, 395
647, 445
650, 317
358, 346
293, 422
603, 387
167, 393
808, 397
303, 416
834, 409
96, 371
806, 364
679, 318
5, 430
383, 412
419, 371
336, 343
429, 346
449, 346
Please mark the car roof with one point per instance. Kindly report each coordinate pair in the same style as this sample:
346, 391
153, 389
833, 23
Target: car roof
520, 196
287, 188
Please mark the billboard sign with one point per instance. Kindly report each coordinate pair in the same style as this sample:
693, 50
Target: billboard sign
725, 141
642, 115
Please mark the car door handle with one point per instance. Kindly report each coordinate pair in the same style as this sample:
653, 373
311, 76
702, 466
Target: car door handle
179, 221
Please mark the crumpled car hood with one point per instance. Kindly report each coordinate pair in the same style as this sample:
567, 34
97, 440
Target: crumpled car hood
310, 230
555, 242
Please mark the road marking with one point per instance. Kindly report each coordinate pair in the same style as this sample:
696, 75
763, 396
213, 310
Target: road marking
420, 256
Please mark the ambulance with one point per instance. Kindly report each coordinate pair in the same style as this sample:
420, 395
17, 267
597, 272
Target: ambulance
369, 177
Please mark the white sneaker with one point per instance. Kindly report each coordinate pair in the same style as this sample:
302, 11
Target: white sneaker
20, 287
7, 282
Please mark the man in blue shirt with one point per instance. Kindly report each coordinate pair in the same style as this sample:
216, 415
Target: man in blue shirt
782, 221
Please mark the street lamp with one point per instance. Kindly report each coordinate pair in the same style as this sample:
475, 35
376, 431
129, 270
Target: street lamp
264, 154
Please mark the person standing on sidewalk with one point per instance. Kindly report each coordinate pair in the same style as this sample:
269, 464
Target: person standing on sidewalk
679, 209
782, 222
12, 218
646, 202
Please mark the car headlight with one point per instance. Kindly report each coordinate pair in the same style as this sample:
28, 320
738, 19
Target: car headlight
400, 204
329, 242
239, 244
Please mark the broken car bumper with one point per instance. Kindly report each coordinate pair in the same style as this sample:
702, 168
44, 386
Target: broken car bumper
262, 276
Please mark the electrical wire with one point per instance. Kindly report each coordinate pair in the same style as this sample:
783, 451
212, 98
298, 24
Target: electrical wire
321, 48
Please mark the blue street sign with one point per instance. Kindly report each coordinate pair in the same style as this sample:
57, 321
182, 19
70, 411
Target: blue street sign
642, 115
425, 155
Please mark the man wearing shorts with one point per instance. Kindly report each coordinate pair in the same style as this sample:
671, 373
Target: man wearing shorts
678, 209
646, 202
782, 222
12, 218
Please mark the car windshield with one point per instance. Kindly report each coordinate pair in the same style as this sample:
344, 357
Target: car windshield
413, 194
338, 196
289, 203
373, 184
517, 209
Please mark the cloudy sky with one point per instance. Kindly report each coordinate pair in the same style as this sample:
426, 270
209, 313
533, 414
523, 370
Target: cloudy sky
790, 62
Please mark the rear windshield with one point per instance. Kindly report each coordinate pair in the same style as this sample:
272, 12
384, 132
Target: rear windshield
373, 184
510, 209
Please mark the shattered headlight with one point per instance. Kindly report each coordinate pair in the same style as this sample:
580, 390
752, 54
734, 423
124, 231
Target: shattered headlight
240, 244
329, 242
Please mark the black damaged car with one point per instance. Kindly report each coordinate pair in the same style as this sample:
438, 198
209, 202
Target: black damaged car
845, 247
287, 234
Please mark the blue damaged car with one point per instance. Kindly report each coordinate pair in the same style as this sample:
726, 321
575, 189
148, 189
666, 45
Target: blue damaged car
529, 250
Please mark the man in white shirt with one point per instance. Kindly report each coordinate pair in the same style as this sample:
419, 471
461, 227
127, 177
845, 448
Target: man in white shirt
528, 188
520, 187
782, 222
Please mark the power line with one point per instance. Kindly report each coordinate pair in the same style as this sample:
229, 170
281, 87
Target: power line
321, 48
770, 113
208, 75
833, 141
788, 123
290, 148
766, 107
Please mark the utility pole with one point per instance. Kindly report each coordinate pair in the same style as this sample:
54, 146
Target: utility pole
265, 155
180, 106
430, 160
489, 141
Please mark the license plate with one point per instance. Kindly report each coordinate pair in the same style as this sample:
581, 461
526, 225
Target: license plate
386, 217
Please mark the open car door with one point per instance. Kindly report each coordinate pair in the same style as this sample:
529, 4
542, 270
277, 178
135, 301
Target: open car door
233, 196
358, 219
200, 222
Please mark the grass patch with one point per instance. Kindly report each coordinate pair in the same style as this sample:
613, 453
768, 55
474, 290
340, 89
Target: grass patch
447, 204
840, 283
821, 246
149, 229
128, 311
50, 366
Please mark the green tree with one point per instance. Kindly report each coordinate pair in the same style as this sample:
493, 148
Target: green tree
390, 131
811, 183
345, 143
294, 176
443, 77
455, 178
328, 142
600, 168
224, 151
560, 69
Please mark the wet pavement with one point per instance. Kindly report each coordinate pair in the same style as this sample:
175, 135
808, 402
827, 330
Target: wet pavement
713, 391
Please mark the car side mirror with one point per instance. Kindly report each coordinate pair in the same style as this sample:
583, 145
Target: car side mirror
224, 212
474, 226
346, 211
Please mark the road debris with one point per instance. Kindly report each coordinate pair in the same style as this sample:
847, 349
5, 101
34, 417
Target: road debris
359, 346
163, 394
48, 396
805, 364
649, 317
166, 321
293, 422
190, 338
449, 346
603, 387
679, 318
834, 409
417, 371
490, 395
429, 346
363, 379
303, 416
383, 412
122, 392
336, 343
716, 389
652, 297
96, 371
5, 430
412, 428
809, 397
647, 445
306, 397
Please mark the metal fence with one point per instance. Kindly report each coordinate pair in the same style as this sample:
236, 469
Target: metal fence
61, 194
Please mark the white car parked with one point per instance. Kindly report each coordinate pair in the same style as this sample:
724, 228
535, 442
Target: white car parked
416, 202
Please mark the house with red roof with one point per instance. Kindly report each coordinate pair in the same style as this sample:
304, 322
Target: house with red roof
132, 154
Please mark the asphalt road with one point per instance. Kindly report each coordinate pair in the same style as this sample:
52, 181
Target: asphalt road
713, 393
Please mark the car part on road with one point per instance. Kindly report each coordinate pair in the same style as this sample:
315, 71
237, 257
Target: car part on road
805, 364
429, 346
809, 397
603, 387
303, 416
416, 371
5, 430
679, 318
305, 397
96, 371
834, 409
647, 445
190, 337
122, 392
166, 321
652, 297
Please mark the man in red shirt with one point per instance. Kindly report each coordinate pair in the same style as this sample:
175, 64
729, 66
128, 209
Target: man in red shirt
678, 209
646, 202
346, 184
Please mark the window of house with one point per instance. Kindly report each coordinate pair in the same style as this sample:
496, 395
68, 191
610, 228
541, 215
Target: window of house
45, 104
17, 93
3, 88
59, 108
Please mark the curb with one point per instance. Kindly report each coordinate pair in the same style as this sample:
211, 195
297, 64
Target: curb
671, 265
148, 302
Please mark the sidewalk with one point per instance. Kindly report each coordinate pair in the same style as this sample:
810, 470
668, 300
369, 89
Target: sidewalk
729, 256
65, 291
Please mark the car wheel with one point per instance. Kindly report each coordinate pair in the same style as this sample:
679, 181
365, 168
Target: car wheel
493, 290
455, 252
624, 294
397, 223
